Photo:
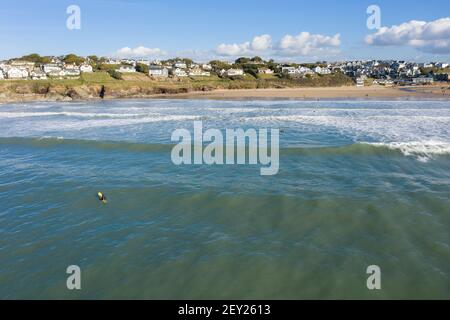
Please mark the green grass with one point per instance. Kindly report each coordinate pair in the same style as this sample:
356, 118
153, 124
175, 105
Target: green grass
267, 76
97, 77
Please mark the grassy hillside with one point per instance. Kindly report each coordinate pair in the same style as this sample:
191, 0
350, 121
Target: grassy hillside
102, 85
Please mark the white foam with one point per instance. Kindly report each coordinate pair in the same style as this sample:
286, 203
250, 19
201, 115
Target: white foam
422, 150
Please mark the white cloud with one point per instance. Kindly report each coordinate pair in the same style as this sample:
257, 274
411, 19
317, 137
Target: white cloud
261, 43
258, 44
138, 52
309, 44
433, 37
300, 45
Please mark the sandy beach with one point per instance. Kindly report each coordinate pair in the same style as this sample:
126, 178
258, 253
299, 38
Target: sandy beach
437, 91
372, 92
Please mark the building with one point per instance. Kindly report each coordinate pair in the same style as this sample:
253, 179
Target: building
232, 72
265, 71
38, 74
207, 67
158, 71
288, 70
142, 61
423, 80
441, 65
197, 72
86, 68
178, 72
17, 73
320, 70
51, 67
359, 82
23, 64
126, 69
180, 65
2, 76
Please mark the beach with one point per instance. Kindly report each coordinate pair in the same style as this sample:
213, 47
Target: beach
372, 92
134, 91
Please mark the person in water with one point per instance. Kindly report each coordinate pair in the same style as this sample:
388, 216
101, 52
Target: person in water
101, 197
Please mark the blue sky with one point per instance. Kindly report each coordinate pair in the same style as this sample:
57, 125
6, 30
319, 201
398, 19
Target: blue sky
197, 28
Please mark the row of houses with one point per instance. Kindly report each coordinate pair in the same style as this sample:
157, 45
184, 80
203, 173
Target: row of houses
303, 71
391, 70
23, 70
180, 69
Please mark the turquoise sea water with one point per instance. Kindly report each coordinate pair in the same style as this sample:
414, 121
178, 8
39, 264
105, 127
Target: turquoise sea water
360, 183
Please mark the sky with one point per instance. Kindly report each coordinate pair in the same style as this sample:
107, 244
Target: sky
285, 30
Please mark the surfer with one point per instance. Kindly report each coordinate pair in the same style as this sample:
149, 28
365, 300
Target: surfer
101, 197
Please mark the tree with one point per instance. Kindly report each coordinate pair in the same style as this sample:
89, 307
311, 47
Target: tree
242, 60
93, 58
257, 59
34, 57
73, 59
140, 67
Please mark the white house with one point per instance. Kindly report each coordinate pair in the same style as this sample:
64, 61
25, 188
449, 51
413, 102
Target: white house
232, 72
51, 67
320, 70
197, 72
126, 69
71, 72
178, 72
441, 65
38, 74
128, 61
359, 82
23, 64
158, 71
113, 61
180, 64
206, 67
423, 80
142, 61
265, 71
86, 68
17, 73
288, 70
1, 75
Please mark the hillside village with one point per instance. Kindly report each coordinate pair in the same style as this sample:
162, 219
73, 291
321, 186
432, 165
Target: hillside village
390, 72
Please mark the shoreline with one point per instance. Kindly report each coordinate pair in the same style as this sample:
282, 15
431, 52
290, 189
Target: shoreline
435, 92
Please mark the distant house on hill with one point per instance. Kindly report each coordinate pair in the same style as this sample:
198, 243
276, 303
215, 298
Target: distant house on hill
197, 72
232, 72
288, 70
17, 73
38, 74
126, 69
320, 70
86, 68
158, 71
180, 64
423, 80
265, 71
359, 82
51, 67
178, 72
207, 67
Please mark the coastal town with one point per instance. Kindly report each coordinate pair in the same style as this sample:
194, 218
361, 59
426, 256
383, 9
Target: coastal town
362, 73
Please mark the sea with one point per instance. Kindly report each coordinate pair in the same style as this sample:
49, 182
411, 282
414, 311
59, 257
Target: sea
361, 183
